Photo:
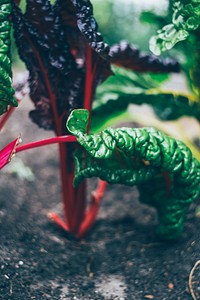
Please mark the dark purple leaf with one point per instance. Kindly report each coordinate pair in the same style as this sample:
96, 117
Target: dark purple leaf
64, 70
51, 72
41, 15
74, 38
42, 115
130, 57
72, 14
89, 27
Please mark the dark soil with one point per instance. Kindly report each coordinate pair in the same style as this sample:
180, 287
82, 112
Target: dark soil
121, 258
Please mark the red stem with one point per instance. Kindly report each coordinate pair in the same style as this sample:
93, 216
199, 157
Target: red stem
53, 140
89, 82
89, 78
92, 212
6, 116
55, 218
66, 175
74, 199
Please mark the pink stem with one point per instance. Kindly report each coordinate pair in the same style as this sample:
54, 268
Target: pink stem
56, 218
53, 140
6, 116
91, 214
74, 199
80, 202
89, 79
67, 178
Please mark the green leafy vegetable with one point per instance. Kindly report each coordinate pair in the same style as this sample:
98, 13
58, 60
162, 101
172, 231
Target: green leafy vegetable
126, 87
133, 156
185, 19
6, 90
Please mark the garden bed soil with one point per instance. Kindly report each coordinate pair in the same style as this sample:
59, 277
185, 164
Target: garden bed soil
121, 258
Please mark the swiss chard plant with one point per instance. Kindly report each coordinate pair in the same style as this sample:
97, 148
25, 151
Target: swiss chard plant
67, 60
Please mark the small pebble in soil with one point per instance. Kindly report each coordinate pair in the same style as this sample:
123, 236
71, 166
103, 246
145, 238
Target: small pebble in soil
87, 285
170, 286
197, 212
42, 250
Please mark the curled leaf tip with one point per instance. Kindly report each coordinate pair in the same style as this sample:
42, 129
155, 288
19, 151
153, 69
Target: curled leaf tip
77, 121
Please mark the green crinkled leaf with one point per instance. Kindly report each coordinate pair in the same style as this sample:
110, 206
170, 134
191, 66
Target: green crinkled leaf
185, 19
6, 90
137, 156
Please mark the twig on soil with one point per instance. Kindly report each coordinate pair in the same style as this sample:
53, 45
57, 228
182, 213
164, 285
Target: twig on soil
11, 288
89, 269
190, 279
137, 243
